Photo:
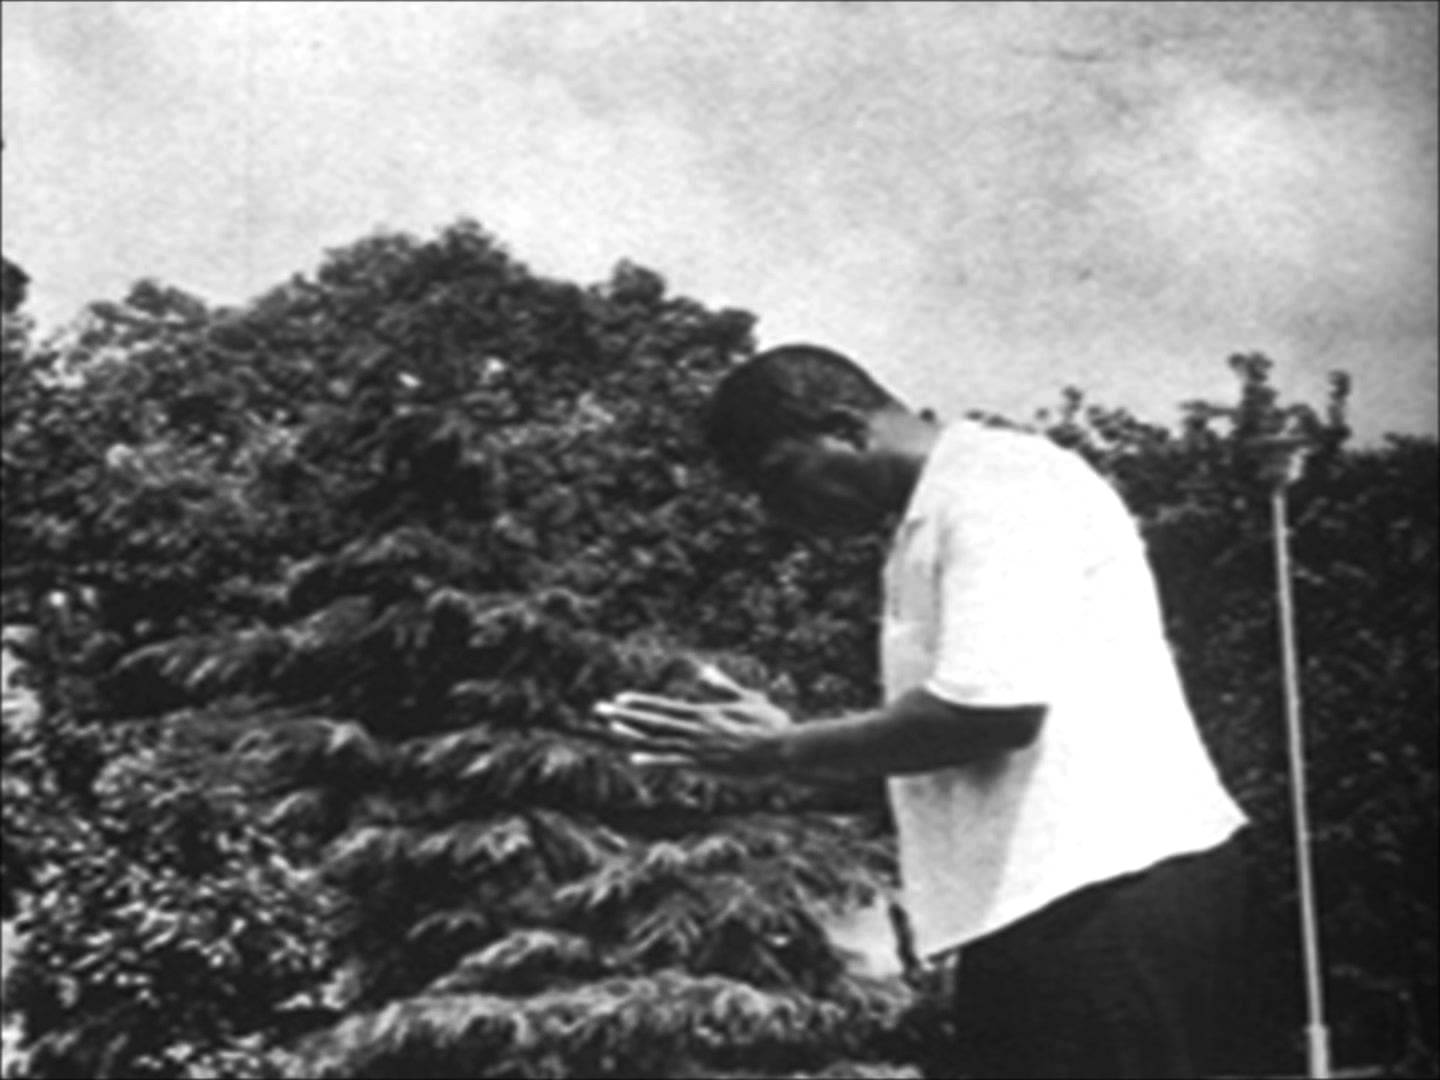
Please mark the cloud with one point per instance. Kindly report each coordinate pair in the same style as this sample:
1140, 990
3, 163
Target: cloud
984, 201
1023, 195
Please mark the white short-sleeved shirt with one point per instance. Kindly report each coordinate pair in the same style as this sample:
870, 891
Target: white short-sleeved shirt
1017, 577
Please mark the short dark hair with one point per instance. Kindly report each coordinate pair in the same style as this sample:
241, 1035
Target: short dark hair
786, 393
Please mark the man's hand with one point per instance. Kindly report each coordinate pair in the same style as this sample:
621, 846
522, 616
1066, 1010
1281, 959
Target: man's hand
741, 735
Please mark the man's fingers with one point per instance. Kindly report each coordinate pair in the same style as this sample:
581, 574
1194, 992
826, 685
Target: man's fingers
647, 760
649, 745
667, 705
620, 736
648, 722
712, 676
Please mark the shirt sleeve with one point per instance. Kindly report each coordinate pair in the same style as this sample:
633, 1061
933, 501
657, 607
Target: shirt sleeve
1007, 588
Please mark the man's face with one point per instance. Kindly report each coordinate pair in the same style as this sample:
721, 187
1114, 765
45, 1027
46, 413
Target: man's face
825, 486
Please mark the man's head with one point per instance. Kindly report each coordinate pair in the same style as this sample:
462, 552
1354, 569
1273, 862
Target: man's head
826, 447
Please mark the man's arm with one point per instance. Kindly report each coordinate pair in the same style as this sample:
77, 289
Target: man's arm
916, 733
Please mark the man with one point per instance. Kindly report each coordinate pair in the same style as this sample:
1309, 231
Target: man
1065, 844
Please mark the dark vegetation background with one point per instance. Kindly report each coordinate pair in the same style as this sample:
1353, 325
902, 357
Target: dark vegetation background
326, 584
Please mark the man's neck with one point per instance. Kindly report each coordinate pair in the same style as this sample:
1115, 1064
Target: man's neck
899, 431
905, 442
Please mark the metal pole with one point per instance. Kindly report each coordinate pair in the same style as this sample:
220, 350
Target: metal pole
1317, 1035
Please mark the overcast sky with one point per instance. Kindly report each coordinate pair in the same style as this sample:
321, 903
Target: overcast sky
982, 201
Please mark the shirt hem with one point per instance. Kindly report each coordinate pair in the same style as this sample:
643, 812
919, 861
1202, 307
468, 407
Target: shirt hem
1043, 898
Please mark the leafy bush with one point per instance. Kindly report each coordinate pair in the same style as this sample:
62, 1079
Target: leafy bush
167, 935
455, 509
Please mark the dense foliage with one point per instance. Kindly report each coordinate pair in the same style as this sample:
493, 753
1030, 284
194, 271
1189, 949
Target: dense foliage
329, 582
169, 933
421, 513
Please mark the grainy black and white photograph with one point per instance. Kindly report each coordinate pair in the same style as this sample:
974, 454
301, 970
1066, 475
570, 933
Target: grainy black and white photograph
719, 540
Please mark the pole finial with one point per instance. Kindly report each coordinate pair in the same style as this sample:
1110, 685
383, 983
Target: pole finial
1281, 457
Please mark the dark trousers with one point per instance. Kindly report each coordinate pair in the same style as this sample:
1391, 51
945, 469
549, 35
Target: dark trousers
1141, 976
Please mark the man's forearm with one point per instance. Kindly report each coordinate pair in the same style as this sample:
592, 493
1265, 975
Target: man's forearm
917, 733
